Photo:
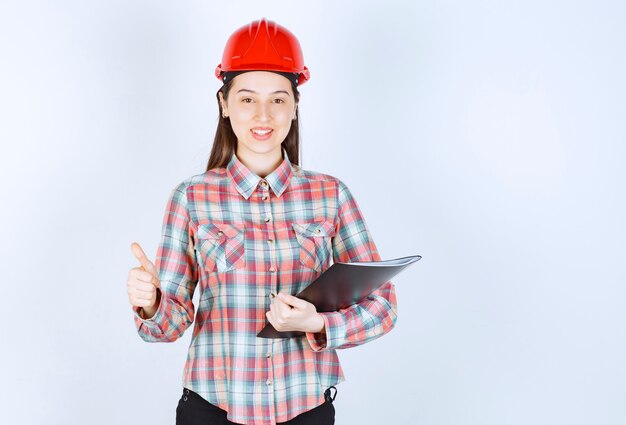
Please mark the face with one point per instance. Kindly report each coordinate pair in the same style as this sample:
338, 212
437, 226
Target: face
258, 102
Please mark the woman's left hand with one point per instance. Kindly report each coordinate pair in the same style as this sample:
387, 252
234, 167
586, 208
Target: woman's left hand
289, 313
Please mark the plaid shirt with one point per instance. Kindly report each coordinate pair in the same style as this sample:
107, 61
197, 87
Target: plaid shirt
244, 239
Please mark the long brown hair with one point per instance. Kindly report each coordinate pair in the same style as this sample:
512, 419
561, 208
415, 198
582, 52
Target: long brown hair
225, 142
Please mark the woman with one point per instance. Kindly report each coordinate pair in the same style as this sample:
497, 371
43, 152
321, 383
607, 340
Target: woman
252, 230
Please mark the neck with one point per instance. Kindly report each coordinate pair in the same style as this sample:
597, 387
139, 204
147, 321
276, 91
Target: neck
260, 164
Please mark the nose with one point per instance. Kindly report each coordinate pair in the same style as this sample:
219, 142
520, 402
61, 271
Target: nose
262, 111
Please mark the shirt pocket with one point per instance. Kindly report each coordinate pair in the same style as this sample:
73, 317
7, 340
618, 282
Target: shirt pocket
221, 246
315, 241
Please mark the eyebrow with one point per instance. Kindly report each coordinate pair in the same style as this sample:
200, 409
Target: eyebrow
275, 92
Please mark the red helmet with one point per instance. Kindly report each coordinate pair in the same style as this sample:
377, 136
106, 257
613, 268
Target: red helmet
263, 46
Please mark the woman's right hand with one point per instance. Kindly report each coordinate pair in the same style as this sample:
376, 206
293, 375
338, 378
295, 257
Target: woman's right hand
142, 284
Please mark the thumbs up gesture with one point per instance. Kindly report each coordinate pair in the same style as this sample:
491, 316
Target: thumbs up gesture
142, 283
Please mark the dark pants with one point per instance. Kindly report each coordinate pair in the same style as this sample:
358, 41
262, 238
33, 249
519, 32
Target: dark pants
194, 410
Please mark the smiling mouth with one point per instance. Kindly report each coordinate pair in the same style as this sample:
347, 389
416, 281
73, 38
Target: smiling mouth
261, 132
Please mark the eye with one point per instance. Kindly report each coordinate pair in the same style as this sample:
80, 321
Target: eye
280, 101
246, 98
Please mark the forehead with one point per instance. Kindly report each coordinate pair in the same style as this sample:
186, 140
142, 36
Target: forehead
262, 82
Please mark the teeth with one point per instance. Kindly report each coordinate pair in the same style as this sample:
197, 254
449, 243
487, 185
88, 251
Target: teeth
261, 132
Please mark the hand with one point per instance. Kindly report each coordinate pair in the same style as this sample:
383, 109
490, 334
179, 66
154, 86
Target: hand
289, 313
142, 283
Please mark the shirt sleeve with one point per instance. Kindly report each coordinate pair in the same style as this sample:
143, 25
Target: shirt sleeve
178, 273
375, 315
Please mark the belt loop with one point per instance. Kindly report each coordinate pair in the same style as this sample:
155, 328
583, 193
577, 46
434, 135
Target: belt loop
327, 394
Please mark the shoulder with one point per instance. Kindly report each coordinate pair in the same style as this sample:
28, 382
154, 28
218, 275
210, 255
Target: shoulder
179, 191
213, 176
322, 178
334, 184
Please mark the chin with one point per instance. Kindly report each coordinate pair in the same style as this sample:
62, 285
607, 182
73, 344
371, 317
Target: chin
260, 148
263, 145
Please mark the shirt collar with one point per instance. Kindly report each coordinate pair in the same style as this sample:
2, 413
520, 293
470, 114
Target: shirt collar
246, 181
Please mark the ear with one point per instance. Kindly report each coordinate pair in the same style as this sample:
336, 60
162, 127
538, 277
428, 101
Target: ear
223, 103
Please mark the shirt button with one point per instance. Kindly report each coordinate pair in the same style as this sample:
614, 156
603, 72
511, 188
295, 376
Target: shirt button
272, 269
268, 382
264, 197
272, 294
263, 183
268, 355
270, 240
267, 219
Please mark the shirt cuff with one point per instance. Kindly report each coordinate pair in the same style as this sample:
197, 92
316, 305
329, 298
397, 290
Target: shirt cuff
154, 320
320, 341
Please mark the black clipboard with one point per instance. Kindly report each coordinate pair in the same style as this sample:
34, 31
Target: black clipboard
344, 284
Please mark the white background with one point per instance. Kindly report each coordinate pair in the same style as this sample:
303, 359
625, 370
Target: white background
487, 136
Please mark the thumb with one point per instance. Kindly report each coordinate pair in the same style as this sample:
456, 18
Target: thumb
143, 259
291, 300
